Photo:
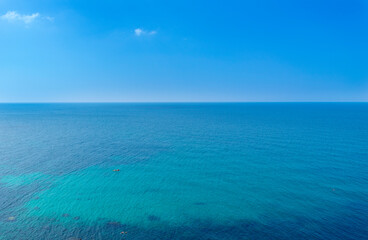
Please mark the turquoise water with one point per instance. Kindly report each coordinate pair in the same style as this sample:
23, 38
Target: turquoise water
187, 171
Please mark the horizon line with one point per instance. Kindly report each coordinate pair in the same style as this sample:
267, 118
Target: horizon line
178, 102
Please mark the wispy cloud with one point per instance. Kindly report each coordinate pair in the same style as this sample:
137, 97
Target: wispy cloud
140, 32
14, 16
51, 19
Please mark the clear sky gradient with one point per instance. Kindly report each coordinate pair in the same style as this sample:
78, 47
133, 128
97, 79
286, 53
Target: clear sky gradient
175, 51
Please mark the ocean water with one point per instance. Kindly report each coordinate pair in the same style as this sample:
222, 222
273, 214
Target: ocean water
187, 171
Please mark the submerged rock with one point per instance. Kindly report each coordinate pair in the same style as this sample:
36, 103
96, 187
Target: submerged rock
112, 223
153, 218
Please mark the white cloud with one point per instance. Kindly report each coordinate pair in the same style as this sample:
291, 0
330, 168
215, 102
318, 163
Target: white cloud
140, 32
13, 16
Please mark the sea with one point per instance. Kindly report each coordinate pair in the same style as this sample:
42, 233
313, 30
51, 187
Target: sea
166, 171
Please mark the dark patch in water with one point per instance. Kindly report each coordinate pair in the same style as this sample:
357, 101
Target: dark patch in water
199, 203
65, 215
76, 218
47, 227
114, 224
114, 227
301, 228
9, 198
153, 218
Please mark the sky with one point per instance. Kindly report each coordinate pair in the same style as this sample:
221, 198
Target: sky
183, 51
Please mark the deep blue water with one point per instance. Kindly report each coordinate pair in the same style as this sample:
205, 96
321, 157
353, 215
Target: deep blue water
187, 171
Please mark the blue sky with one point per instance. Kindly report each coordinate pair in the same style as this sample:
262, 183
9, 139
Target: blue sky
143, 51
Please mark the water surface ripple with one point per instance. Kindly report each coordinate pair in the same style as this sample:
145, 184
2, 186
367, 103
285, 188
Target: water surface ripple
186, 171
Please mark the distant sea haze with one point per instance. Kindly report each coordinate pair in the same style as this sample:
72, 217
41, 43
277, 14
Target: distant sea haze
216, 171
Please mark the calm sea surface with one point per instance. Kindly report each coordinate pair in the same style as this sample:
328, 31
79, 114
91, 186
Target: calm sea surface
187, 171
